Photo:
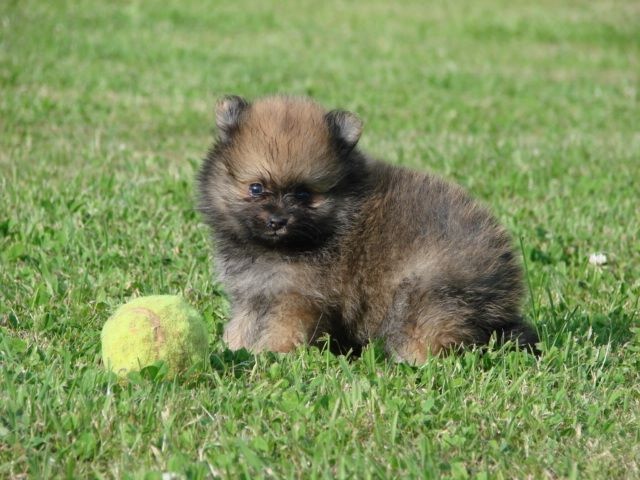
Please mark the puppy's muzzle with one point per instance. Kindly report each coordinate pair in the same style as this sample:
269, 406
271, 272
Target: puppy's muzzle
276, 222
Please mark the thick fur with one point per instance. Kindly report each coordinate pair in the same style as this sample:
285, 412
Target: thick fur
369, 251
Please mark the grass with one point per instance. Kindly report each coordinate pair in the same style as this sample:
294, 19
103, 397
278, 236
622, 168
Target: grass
105, 112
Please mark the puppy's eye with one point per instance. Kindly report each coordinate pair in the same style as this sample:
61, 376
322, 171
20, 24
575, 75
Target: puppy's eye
256, 189
302, 194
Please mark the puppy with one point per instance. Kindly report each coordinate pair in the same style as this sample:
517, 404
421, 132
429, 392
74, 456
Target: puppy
312, 237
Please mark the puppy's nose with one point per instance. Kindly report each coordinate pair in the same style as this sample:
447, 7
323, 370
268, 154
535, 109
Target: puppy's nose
276, 222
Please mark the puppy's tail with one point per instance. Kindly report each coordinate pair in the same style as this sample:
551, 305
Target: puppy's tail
523, 334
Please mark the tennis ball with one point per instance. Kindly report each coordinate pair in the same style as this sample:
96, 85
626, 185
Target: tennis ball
148, 329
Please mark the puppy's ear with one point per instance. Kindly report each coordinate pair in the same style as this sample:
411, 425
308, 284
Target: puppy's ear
229, 110
345, 127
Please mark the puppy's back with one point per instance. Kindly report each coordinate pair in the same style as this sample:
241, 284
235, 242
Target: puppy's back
434, 260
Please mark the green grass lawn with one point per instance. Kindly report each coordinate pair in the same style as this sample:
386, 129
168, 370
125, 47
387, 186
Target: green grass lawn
106, 109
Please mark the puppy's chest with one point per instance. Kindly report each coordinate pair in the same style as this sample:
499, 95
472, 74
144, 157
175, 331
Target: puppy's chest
267, 277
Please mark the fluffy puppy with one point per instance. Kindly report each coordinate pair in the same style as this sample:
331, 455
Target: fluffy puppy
312, 237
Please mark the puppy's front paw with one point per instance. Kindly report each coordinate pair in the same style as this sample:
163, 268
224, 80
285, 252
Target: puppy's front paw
236, 335
280, 340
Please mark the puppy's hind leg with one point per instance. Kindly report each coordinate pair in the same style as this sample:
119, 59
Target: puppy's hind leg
420, 323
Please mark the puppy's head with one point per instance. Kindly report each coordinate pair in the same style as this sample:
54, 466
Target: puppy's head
282, 173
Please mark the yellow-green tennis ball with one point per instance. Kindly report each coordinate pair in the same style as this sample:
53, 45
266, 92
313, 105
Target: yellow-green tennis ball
148, 329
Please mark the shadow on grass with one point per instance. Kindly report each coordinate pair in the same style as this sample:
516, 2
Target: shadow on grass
613, 328
236, 363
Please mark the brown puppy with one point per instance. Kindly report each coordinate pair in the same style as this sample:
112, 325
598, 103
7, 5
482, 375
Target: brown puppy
312, 237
